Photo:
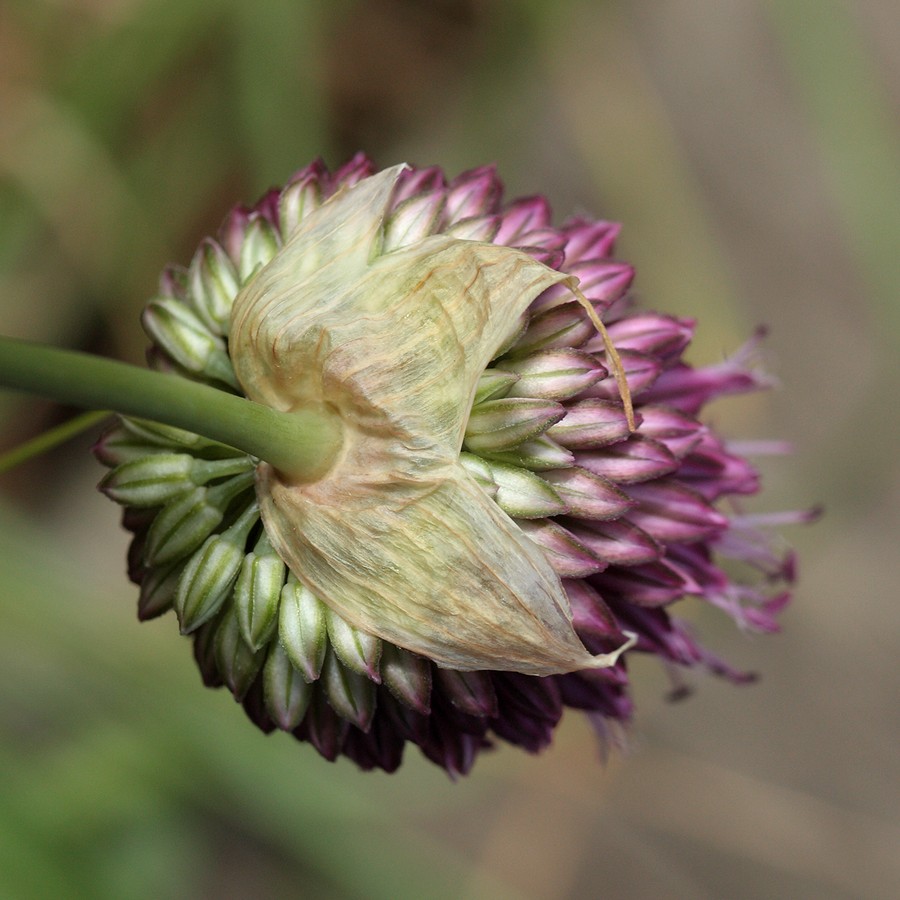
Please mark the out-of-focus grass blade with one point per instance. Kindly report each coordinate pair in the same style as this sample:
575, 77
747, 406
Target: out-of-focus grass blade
185, 157
119, 67
278, 85
17, 226
68, 175
857, 132
50, 439
32, 871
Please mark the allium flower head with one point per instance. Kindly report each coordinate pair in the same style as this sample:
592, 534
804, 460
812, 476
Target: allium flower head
495, 531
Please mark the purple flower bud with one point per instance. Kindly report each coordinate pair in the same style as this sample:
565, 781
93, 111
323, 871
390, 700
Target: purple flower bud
470, 692
629, 461
324, 728
521, 218
668, 511
568, 556
590, 424
591, 615
603, 282
652, 333
474, 193
586, 239
641, 371
678, 432
416, 182
553, 374
617, 541
587, 495
562, 326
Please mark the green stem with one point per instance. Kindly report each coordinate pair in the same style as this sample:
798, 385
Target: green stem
301, 444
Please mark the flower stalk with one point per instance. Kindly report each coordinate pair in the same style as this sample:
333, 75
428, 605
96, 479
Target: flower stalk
301, 444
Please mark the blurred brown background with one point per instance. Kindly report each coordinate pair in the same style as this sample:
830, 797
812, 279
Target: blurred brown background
752, 150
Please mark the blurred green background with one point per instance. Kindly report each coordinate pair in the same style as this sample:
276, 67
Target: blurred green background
752, 150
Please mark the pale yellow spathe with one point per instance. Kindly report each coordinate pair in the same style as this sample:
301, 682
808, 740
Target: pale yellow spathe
397, 537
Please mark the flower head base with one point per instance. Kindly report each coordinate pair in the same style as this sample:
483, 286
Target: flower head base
493, 514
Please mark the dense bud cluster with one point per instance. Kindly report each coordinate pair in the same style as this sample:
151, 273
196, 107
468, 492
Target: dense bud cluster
631, 522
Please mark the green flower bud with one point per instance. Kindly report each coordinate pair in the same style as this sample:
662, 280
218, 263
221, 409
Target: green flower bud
506, 423
187, 340
157, 479
261, 243
181, 527
356, 649
213, 283
167, 436
480, 471
285, 691
351, 695
407, 677
412, 219
493, 383
211, 572
257, 593
524, 495
184, 523
540, 454
475, 228
237, 663
118, 446
134, 439
297, 200
301, 628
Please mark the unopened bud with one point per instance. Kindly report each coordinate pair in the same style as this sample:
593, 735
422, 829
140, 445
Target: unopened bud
187, 341
213, 282
211, 572
260, 244
286, 692
257, 594
237, 663
301, 628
